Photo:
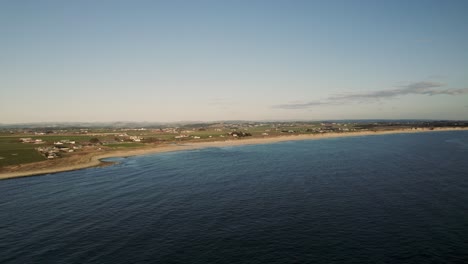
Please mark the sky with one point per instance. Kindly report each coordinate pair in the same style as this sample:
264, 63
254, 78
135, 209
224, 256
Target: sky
163, 61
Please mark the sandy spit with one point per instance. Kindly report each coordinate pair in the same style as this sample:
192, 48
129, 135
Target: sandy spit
94, 159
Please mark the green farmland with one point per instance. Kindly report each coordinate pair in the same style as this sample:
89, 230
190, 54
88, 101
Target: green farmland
13, 152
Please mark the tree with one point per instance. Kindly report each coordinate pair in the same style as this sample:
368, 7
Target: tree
94, 140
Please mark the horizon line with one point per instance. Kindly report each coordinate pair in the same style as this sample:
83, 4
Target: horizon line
232, 120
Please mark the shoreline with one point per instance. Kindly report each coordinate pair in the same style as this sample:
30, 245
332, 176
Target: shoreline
94, 159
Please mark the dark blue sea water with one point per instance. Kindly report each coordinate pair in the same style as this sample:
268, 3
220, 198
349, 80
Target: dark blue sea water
376, 199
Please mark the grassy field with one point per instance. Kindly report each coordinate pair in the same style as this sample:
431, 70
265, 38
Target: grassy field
12, 152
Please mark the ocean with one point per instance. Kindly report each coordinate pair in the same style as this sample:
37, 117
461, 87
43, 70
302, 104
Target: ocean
400, 198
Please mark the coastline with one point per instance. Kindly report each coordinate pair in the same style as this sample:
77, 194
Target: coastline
89, 160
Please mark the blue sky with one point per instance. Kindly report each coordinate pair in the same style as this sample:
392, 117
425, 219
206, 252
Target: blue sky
224, 60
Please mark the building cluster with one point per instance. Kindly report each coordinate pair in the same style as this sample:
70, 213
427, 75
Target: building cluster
239, 134
62, 146
31, 140
135, 138
182, 136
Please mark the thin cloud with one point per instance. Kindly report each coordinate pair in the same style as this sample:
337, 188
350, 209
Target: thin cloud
416, 88
423, 85
426, 88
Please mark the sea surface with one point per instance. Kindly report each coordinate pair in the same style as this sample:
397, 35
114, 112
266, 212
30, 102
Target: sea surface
399, 198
